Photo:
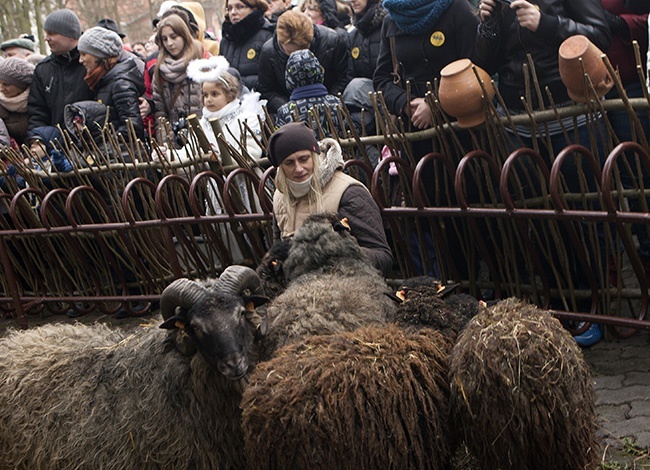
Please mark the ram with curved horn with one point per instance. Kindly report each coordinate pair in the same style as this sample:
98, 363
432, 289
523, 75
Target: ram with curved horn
94, 396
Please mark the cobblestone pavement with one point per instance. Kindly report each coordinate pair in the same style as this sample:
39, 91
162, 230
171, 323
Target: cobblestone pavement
621, 374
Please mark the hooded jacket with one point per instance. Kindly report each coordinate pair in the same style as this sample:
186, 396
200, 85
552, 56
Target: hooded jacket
198, 15
504, 50
120, 89
329, 47
58, 80
242, 42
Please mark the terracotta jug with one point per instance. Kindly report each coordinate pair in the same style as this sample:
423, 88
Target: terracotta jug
460, 93
579, 48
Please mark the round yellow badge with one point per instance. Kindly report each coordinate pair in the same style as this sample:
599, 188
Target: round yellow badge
250, 54
437, 39
355, 52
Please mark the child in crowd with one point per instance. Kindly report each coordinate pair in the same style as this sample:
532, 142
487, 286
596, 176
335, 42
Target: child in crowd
304, 79
221, 88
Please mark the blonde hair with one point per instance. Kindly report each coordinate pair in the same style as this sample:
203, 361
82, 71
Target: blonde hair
315, 195
230, 85
295, 28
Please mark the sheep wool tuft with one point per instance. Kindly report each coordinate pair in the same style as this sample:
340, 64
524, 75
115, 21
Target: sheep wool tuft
521, 391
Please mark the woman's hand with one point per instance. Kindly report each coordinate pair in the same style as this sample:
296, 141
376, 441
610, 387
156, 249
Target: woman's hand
420, 113
528, 15
487, 9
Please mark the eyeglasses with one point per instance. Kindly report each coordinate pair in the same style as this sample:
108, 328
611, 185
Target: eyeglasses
236, 7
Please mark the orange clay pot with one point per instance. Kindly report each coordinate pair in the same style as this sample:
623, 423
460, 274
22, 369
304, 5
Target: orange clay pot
574, 50
460, 93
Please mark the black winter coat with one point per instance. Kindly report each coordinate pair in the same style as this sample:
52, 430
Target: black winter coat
422, 56
330, 49
364, 42
505, 50
242, 42
120, 89
58, 80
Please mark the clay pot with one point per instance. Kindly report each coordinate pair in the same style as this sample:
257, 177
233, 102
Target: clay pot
574, 50
460, 93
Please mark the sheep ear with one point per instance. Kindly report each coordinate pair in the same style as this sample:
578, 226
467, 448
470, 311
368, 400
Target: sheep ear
444, 291
342, 225
173, 322
394, 297
257, 321
254, 301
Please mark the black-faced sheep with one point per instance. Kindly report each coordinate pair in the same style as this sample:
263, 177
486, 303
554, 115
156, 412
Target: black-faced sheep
425, 302
332, 286
374, 398
80, 396
521, 392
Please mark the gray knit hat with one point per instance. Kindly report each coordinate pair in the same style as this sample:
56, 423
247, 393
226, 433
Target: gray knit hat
23, 43
64, 22
288, 139
100, 42
16, 71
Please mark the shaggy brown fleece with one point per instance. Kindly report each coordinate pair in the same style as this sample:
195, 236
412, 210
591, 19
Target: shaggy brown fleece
374, 398
521, 392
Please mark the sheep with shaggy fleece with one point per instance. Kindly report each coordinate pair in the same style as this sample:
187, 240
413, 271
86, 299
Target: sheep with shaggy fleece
373, 398
89, 396
332, 286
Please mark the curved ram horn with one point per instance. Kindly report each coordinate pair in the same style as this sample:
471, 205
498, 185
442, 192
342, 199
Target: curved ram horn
237, 279
181, 293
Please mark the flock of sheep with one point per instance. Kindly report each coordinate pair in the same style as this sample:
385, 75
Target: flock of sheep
332, 372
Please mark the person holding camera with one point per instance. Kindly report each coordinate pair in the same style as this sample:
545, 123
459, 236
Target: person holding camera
175, 95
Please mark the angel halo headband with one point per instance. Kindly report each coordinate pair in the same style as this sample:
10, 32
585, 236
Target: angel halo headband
208, 70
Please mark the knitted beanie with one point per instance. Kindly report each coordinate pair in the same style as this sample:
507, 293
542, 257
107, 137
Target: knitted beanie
288, 139
64, 22
16, 71
302, 69
23, 43
100, 42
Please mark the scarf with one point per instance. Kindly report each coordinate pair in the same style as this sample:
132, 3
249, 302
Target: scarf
308, 91
239, 33
92, 78
416, 16
370, 20
299, 189
173, 70
16, 104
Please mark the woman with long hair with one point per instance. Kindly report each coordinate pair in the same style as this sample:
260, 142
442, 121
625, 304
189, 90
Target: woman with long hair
175, 95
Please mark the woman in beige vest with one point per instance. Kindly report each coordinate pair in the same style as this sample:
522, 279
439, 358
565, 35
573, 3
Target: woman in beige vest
310, 180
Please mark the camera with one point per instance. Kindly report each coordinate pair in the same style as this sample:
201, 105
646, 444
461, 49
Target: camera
179, 128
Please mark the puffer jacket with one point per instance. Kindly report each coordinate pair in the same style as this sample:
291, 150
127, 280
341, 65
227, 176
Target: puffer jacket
58, 80
120, 89
329, 47
242, 42
503, 49
364, 41
422, 56
187, 102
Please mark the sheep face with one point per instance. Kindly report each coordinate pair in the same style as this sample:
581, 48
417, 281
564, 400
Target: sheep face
222, 329
217, 319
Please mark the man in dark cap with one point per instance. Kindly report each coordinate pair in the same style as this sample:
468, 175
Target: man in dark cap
18, 47
59, 78
111, 25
